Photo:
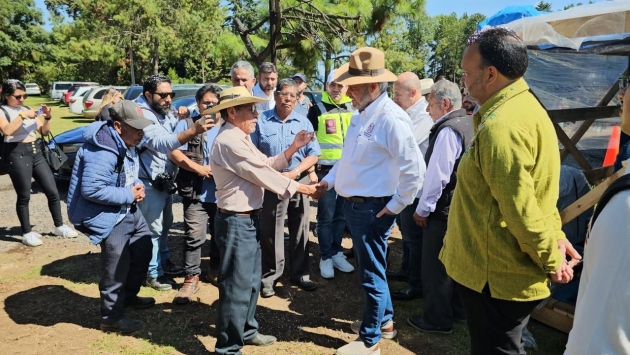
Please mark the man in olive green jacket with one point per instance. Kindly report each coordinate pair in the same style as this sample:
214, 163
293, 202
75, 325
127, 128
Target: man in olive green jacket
504, 230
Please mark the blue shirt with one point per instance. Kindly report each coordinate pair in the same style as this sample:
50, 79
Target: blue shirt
272, 136
208, 186
301, 108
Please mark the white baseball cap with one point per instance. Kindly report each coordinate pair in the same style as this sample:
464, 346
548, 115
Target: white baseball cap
331, 76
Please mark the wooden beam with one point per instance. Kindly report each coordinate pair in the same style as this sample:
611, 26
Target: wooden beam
567, 143
583, 114
590, 199
597, 175
577, 136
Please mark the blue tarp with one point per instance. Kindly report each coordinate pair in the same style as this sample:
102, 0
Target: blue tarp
508, 15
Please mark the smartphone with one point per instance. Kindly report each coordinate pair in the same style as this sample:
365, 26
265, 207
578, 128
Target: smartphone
40, 111
203, 119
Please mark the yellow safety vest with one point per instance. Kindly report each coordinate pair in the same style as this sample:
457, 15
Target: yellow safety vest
331, 132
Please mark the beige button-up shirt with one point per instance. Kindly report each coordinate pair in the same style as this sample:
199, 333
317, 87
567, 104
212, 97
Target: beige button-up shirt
242, 173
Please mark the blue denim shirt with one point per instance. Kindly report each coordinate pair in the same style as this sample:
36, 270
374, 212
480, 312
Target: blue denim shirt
208, 186
272, 136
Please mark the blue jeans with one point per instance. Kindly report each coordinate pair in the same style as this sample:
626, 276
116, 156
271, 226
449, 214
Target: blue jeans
240, 271
157, 209
369, 239
331, 222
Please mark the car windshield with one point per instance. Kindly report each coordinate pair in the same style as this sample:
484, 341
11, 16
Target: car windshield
31, 85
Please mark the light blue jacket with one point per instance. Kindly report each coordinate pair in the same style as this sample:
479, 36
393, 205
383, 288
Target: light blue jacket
97, 192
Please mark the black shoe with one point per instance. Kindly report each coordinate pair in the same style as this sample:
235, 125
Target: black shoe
396, 276
306, 285
406, 294
159, 284
420, 324
267, 292
124, 326
349, 253
261, 340
171, 269
138, 302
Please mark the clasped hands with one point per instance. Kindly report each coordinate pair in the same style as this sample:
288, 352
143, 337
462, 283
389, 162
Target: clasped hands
565, 273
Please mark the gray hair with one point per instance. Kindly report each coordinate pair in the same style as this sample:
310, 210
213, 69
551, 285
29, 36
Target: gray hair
383, 86
445, 89
286, 82
241, 64
267, 67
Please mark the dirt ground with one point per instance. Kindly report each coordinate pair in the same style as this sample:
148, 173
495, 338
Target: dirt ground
50, 305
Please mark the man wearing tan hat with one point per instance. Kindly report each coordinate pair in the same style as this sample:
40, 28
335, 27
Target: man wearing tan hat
105, 184
242, 173
378, 175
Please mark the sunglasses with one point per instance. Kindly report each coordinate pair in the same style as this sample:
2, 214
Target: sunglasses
19, 97
251, 108
163, 95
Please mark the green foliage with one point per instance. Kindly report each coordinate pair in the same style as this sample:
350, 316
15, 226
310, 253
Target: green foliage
543, 6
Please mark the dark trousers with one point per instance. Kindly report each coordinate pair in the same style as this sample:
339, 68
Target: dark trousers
442, 304
331, 222
125, 257
272, 237
239, 280
495, 326
25, 162
412, 245
196, 218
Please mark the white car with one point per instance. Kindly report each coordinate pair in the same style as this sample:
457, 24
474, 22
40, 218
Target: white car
75, 102
32, 89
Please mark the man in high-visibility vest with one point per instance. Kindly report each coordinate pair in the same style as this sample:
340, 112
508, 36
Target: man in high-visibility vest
330, 118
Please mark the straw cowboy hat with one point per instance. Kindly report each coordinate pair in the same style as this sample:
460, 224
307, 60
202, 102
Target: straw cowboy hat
425, 86
367, 65
235, 96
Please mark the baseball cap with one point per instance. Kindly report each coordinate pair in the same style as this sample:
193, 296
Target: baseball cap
130, 113
299, 75
331, 76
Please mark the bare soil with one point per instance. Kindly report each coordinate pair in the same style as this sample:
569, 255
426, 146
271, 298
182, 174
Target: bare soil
49, 299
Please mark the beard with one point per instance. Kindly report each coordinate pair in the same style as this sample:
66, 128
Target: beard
159, 109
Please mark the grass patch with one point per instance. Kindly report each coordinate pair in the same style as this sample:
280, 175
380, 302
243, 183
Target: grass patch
62, 118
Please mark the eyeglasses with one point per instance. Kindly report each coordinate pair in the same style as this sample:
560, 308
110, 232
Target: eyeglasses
163, 95
209, 104
286, 94
252, 108
19, 97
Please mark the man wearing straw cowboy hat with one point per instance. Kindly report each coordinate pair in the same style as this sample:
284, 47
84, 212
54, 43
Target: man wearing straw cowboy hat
378, 174
242, 173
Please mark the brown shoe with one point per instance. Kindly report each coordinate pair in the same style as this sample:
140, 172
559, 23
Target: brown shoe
212, 276
190, 287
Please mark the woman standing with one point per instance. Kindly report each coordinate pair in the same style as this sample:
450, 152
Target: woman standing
25, 160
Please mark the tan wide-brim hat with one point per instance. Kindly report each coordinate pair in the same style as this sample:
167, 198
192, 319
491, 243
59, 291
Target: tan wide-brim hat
367, 65
234, 96
425, 86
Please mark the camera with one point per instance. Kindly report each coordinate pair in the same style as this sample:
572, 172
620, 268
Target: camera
164, 182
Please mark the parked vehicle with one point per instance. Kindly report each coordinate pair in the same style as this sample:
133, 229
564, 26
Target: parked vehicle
57, 88
70, 141
66, 95
92, 100
32, 89
75, 102
314, 96
132, 92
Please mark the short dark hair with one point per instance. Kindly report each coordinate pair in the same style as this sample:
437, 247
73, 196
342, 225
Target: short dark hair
9, 87
267, 67
286, 82
503, 49
152, 82
206, 88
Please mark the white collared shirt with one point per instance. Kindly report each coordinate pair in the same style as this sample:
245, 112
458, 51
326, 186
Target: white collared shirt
421, 123
380, 156
264, 106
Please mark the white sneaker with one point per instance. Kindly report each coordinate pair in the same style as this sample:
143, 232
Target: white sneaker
356, 326
31, 239
340, 262
66, 232
357, 347
326, 268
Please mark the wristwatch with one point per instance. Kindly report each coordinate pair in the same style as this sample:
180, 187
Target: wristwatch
298, 175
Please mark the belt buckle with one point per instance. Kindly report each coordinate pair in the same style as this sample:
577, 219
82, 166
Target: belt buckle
357, 199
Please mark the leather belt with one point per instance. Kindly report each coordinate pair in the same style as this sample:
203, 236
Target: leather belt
361, 199
246, 213
319, 167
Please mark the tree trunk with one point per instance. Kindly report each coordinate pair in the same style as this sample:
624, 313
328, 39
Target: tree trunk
156, 56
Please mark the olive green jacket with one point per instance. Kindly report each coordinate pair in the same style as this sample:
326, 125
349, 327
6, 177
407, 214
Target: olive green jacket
503, 225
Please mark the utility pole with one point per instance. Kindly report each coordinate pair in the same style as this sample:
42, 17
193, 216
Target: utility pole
133, 75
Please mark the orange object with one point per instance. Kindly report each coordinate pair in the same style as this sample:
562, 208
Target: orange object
613, 147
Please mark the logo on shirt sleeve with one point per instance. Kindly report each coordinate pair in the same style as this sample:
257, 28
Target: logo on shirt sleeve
411, 143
